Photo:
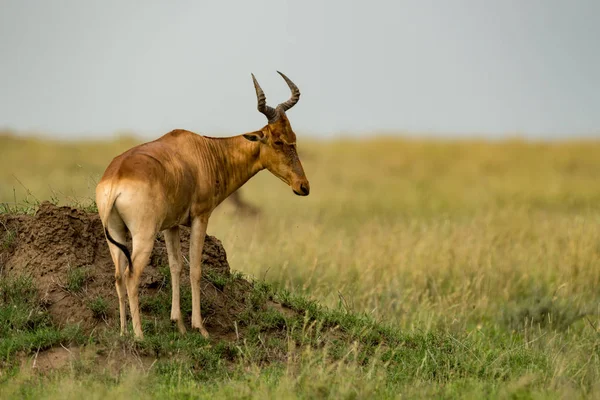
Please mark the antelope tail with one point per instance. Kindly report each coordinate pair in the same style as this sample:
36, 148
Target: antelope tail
121, 246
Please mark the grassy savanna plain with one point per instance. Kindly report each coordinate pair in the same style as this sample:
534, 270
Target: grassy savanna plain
462, 268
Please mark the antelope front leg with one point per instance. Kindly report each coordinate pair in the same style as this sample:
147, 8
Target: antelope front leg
196, 245
173, 243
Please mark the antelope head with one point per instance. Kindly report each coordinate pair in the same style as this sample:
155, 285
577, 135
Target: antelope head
277, 140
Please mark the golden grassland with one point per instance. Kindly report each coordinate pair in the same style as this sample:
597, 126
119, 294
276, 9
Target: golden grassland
468, 237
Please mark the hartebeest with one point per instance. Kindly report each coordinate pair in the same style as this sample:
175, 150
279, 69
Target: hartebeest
179, 179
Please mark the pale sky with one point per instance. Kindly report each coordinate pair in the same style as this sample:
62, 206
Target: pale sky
79, 69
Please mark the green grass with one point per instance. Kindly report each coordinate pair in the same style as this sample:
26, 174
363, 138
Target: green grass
416, 268
76, 279
99, 307
25, 325
313, 352
9, 239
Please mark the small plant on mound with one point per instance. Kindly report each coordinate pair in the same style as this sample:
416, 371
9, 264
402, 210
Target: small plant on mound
9, 239
99, 307
76, 278
218, 280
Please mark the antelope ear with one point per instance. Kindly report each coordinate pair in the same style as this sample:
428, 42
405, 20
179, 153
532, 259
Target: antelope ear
257, 136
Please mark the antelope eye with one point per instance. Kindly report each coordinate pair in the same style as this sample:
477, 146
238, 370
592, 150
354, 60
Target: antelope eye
278, 143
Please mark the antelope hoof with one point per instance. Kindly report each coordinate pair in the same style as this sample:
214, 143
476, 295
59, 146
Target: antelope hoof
203, 332
180, 326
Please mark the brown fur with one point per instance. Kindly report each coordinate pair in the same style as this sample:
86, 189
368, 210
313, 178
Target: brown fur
179, 179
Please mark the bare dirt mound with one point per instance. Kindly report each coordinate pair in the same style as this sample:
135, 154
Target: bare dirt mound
65, 253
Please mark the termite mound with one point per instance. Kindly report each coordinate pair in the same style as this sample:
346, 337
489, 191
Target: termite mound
64, 251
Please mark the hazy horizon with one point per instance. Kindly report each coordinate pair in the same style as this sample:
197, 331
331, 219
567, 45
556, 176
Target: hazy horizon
461, 68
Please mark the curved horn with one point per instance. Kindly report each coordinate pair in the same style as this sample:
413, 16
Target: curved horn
269, 112
295, 94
